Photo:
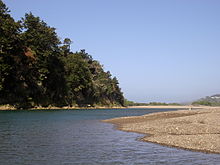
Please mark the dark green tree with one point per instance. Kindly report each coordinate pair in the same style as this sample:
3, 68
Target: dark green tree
48, 69
36, 69
12, 57
79, 80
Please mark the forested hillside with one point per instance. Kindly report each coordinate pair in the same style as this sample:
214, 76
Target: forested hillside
38, 69
213, 100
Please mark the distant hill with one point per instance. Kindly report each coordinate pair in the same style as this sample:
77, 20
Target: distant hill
131, 103
213, 100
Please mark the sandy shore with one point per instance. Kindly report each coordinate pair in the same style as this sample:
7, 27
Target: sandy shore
197, 130
169, 107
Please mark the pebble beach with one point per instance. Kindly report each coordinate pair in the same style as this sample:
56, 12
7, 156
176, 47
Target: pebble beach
196, 130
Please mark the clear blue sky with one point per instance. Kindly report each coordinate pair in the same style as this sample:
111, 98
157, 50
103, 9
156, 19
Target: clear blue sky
160, 50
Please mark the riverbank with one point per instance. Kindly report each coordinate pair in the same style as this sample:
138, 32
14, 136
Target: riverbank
197, 130
9, 107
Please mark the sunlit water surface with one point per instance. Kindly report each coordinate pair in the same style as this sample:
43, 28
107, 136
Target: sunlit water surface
77, 137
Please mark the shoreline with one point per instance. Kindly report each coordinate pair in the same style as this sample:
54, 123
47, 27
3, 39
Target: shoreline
196, 130
8, 107
11, 108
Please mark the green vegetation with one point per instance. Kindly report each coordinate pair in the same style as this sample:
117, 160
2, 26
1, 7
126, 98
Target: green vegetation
208, 101
131, 103
159, 103
37, 69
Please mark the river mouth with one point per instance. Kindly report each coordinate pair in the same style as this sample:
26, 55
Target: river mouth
79, 137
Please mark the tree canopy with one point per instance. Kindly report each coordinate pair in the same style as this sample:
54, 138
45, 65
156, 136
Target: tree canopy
38, 69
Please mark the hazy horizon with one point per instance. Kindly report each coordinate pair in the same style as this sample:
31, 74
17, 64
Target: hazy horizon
164, 51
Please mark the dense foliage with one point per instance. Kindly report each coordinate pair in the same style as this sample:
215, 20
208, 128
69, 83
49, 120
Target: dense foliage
37, 69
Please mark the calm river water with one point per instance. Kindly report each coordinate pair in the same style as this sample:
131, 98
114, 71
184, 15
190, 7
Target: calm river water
77, 137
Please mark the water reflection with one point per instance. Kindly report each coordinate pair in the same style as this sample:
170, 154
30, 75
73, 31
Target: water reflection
78, 137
